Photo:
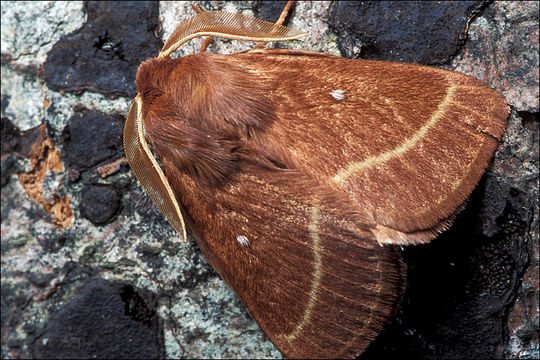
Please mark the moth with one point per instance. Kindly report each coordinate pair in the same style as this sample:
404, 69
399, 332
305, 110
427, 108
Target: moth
297, 172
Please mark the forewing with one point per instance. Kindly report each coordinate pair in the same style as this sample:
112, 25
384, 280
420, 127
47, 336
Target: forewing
407, 143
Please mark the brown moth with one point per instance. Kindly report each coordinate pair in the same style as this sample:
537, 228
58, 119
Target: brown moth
296, 172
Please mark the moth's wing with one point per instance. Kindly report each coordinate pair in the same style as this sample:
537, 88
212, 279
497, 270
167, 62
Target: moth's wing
318, 285
407, 143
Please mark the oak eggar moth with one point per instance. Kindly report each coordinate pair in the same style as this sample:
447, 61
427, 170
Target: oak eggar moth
296, 172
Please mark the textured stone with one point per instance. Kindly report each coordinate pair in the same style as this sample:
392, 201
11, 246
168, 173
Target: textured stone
503, 51
22, 100
100, 203
10, 136
91, 137
271, 10
421, 32
29, 32
105, 320
104, 54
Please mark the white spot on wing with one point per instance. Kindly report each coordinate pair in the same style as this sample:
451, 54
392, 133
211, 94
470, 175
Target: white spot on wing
242, 240
338, 94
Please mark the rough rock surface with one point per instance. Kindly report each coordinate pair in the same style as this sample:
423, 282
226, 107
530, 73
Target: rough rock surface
104, 54
92, 137
473, 292
421, 32
102, 320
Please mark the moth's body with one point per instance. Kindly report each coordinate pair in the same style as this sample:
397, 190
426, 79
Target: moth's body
304, 155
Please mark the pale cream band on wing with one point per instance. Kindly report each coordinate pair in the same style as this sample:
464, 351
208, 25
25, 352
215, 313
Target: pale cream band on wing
314, 232
316, 279
405, 146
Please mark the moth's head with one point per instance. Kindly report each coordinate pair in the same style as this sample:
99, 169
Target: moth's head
175, 96
171, 93
152, 77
